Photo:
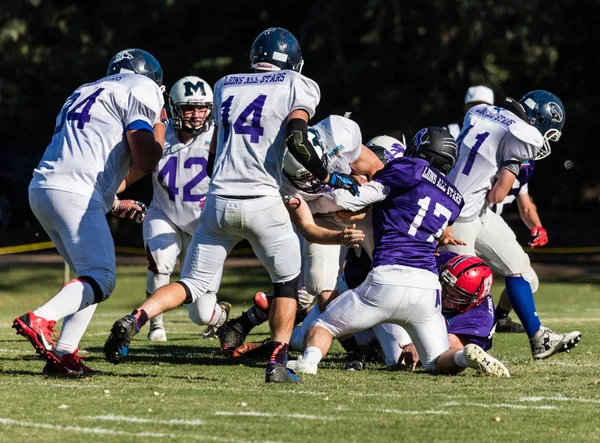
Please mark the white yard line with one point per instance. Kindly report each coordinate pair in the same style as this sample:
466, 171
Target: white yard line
26, 424
397, 411
111, 417
572, 365
270, 414
498, 405
559, 398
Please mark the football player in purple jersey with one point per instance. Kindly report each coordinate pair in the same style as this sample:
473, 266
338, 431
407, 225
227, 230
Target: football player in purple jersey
412, 206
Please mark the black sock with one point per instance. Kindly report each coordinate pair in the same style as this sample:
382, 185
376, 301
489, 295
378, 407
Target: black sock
278, 352
501, 313
245, 321
350, 345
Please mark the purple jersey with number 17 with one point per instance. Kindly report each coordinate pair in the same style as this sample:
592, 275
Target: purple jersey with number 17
419, 206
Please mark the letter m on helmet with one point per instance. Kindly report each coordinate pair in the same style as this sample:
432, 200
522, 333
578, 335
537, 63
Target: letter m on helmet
191, 88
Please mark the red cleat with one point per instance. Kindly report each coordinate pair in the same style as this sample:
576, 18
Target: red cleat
38, 331
69, 365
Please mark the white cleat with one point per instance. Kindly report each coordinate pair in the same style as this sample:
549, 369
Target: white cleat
302, 366
483, 362
157, 334
546, 342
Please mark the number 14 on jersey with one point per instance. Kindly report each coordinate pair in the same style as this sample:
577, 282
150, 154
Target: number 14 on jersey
241, 125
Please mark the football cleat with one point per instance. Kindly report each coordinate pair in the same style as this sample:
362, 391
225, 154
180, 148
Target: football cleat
116, 347
546, 342
483, 362
68, 365
38, 331
211, 330
302, 366
507, 325
278, 373
231, 335
252, 349
355, 361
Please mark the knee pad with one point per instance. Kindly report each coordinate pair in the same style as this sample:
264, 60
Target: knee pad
202, 310
288, 289
102, 287
532, 279
155, 281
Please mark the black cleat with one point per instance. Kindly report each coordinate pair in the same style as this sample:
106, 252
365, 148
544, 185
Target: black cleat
355, 361
507, 325
116, 347
279, 373
231, 335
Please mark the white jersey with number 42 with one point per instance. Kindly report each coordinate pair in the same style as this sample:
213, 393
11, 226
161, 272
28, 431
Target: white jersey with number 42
180, 179
251, 113
88, 154
492, 138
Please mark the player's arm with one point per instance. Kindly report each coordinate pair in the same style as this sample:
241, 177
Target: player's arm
302, 150
504, 183
303, 220
367, 163
370, 192
529, 215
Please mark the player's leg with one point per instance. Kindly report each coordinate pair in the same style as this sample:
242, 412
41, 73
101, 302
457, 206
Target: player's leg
499, 247
269, 231
163, 243
354, 310
320, 269
391, 337
201, 312
211, 243
419, 311
80, 231
504, 323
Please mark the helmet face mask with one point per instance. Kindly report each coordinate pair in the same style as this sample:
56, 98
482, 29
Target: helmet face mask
275, 49
466, 282
191, 104
298, 175
546, 113
136, 61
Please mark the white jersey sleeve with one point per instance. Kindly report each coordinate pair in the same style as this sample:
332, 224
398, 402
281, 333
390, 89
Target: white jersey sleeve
180, 181
250, 113
88, 154
342, 140
487, 143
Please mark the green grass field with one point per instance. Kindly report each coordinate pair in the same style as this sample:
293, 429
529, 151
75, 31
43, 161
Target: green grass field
183, 390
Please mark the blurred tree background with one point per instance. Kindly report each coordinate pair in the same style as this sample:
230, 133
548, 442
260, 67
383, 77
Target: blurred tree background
398, 66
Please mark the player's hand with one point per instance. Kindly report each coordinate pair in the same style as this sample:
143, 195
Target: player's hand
340, 180
409, 358
164, 117
130, 209
448, 238
351, 237
540, 237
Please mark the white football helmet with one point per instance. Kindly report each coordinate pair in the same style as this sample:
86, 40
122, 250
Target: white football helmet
298, 175
387, 148
192, 91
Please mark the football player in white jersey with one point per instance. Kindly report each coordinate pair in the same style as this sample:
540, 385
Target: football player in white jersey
256, 116
108, 134
493, 144
180, 183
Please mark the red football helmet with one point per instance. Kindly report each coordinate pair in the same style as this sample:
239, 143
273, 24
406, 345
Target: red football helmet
466, 282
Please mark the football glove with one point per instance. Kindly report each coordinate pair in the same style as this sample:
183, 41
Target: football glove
131, 209
540, 237
339, 180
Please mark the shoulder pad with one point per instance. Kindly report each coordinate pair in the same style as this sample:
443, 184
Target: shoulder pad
526, 133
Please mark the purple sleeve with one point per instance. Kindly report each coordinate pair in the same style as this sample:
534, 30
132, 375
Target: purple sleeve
400, 173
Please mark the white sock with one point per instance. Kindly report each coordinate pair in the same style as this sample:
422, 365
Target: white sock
460, 359
312, 354
73, 297
73, 328
217, 314
157, 322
